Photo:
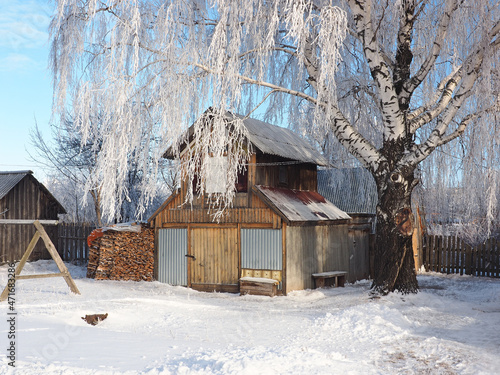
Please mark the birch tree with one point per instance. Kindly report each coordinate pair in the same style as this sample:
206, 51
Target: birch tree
391, 80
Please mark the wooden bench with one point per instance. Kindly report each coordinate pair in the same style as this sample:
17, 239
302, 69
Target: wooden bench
258, 286
334, 278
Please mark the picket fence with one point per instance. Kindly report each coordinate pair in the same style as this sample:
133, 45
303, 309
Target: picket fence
451, 255
72, 241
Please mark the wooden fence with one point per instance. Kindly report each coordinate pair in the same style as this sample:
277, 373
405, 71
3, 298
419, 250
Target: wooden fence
72, 242
448, 254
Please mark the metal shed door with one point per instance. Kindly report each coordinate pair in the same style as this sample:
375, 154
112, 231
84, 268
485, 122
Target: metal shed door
172, 260
261, 249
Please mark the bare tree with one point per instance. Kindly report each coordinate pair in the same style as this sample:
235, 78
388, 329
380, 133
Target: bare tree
72, 164
71, 160
392, 80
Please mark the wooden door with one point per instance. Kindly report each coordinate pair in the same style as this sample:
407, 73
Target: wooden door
214, 261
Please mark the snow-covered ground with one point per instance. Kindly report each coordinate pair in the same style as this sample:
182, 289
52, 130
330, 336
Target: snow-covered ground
451, 326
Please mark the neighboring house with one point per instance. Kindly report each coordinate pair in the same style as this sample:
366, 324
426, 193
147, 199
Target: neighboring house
23, 197
279, 227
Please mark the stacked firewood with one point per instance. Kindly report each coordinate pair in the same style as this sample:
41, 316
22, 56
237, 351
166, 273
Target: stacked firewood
122, 255
94, 247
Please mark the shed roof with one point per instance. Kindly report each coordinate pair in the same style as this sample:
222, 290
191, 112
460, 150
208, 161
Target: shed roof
351, 189
9, 179
298, 206
274, 140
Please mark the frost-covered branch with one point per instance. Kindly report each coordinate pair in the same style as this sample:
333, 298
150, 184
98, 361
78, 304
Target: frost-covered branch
410, 85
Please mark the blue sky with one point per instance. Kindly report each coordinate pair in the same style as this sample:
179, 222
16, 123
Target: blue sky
25, 81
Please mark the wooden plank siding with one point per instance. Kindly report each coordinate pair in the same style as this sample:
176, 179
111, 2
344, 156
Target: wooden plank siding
72, 241
216, 258
302, 176
177, 213
26, 200
313, 249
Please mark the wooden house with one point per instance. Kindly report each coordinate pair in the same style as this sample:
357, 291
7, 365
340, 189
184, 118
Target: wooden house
23, 197
279, 226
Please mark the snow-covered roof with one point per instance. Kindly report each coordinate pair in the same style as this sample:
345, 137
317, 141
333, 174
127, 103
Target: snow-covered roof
298, 206
273, 140
9, 179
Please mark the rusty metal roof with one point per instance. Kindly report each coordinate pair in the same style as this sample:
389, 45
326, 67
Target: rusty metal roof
9, 179
298, 206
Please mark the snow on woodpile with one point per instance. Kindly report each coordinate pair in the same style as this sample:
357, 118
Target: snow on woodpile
122, 253
301, 206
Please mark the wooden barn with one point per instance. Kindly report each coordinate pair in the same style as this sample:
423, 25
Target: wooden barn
22, 197
279, 226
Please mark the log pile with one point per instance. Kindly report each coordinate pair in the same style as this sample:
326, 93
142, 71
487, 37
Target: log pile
122, 255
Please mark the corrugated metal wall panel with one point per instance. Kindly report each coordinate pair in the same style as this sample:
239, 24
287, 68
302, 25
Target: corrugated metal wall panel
261, 249
353, 190
172, 260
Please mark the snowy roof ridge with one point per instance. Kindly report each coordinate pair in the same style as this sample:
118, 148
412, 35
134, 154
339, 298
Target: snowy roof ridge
275, 140
270, 139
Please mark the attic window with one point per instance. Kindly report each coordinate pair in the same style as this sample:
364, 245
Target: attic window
216, 177
242, 181
283, 175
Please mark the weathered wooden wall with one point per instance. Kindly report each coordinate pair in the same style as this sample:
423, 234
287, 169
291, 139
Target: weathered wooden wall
359, 247
177, 213
299, 176
263, 169
72, 241
26, 201
312, 249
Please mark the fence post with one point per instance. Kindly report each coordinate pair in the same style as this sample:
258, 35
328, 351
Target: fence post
497, 258
447, 255
425, 241
461, 258
453, 258
432, 255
